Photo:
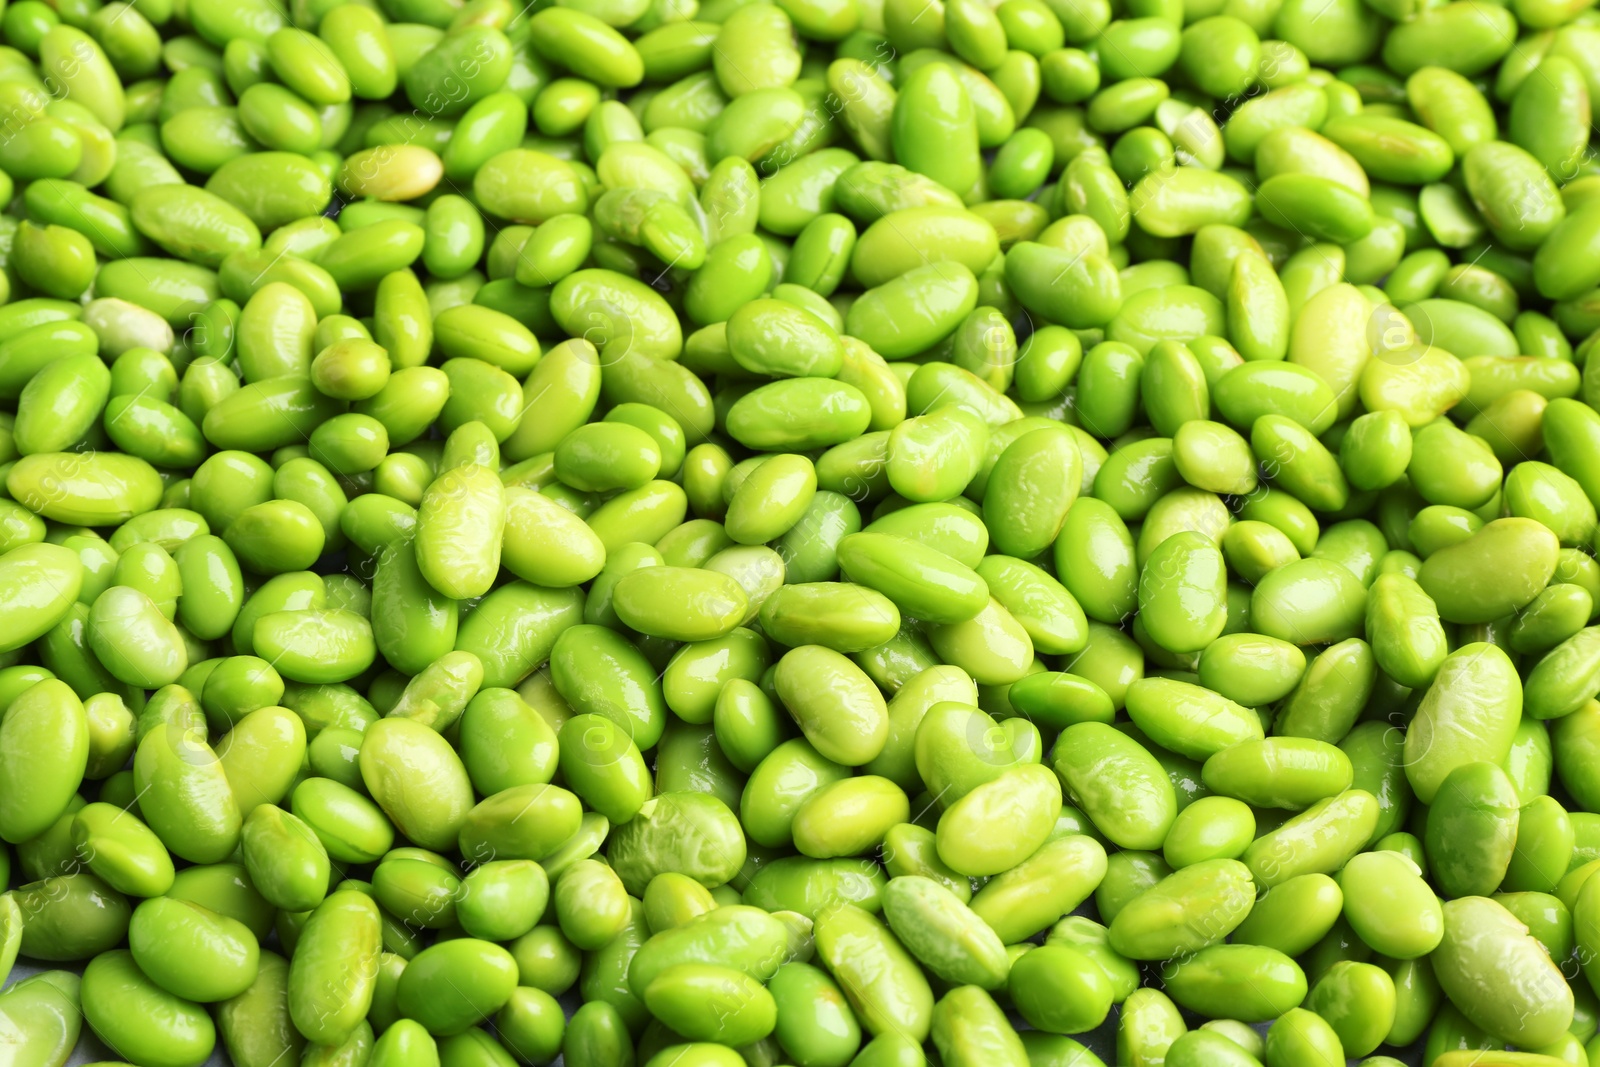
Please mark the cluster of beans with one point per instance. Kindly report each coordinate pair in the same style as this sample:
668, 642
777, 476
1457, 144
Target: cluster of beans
826, 533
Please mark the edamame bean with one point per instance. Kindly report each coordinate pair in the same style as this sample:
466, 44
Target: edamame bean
783, 432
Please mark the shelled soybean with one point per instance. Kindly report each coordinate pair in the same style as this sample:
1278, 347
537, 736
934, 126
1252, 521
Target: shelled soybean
818, 531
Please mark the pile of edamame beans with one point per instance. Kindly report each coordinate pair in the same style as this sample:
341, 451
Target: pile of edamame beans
826, 533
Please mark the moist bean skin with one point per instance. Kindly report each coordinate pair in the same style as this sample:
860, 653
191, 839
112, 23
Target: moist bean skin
833, 533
